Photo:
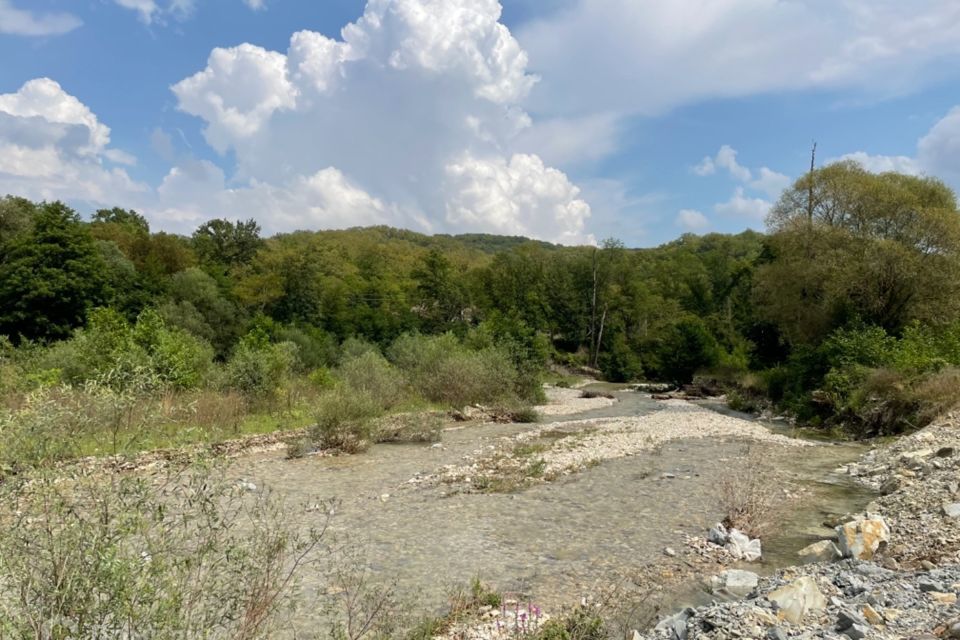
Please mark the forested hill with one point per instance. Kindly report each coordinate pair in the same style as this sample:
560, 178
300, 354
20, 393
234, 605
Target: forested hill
848, 309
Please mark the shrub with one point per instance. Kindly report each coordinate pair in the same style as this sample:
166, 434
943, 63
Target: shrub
43, 431
749, 499
370, 375
258, 369
443, 370
345, 421
180, 555
620, 363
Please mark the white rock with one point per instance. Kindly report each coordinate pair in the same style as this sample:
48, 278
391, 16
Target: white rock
952, 510
735, 582
742, 547
823, 551
798, 598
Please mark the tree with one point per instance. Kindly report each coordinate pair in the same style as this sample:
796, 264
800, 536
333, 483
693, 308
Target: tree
849, 244
50, 277
16, 216
687, 347
441, 299
226, 243
123, 217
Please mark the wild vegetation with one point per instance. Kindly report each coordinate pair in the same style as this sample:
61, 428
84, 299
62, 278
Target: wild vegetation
118, 338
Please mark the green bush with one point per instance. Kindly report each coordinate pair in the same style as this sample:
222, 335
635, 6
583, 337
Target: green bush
688, 347
620, 362
345, 421
443, 370
370, 375
258, 368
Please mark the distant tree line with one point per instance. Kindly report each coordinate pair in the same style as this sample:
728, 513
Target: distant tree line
850, 297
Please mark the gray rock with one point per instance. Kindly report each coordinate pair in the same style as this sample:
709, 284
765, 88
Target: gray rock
718, 534
931, 585
952, 510
847, 618
776, 633
856, 632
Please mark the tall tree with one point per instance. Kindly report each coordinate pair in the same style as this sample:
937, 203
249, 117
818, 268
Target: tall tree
847, 243
226, 243
50, 277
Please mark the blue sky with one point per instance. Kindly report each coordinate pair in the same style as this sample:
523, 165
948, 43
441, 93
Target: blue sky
571, 120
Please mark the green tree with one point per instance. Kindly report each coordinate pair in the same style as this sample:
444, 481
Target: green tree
849, 244
123, 217
16, 217
50, 277
226, 243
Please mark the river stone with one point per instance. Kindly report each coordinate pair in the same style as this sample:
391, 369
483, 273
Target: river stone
856, 632
862, 538
797, 598
823, 551
741, 546
735, 582
718, 534
952, 510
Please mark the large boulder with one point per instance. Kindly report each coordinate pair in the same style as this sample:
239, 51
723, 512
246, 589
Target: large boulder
735, 582
798, 598
823, 551
742, 547
863, 537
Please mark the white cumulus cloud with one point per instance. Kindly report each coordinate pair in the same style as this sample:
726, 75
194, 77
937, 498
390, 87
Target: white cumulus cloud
741, 205
938, 153
52, 146
22, 22
414, 117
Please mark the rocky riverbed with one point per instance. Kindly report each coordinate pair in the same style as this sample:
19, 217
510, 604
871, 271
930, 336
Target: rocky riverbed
903, 581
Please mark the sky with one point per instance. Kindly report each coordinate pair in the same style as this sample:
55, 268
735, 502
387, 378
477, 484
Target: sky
570, 121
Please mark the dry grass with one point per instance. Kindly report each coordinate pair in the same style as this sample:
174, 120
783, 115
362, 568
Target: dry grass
750, 498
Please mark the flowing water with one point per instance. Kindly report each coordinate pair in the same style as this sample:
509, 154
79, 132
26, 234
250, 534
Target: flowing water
552, 541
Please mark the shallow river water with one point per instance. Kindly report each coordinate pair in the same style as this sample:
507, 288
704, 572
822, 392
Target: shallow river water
553, 541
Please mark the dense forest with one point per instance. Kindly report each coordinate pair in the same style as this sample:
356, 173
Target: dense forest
845, 313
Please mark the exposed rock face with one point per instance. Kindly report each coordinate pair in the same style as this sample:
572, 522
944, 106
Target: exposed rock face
823, 551
798, 598
863, 537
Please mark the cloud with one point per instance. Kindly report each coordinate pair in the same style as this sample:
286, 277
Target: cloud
21, 22
743, 206
162, 143
237, 93
418, 108
938, 153
726, 158
146, 9
880, 163
153, 12
519, 197
645, 58
764, 179
53, 147
771, 182
692, 220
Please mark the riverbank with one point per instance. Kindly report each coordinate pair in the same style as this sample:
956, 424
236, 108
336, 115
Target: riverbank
906, 582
